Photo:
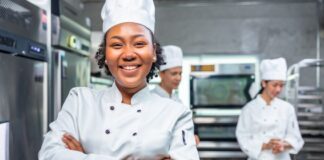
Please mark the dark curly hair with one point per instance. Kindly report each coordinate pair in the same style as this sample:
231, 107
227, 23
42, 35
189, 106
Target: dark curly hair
101, 57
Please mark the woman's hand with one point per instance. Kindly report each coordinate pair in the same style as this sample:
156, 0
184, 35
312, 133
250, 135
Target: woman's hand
281, 146
197, 140
71, 143
278, 146
266, 146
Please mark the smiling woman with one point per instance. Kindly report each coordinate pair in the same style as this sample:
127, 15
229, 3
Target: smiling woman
125, 121
131, 54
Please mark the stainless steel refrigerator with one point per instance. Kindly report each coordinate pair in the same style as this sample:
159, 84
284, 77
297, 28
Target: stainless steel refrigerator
70, 50
23, 77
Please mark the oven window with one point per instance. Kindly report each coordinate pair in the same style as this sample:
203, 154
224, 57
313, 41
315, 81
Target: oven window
221, 90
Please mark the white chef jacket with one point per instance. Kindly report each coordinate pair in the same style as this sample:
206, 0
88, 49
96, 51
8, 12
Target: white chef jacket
163, 93
111, 130
259, 122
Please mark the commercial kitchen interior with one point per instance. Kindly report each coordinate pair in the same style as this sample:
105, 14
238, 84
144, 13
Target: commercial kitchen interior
48, 47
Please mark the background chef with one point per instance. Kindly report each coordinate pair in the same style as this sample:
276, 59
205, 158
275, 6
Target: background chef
267, 128
170, 74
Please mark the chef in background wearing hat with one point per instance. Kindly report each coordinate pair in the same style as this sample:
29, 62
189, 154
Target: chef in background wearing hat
267, 128
170, 74
125, 121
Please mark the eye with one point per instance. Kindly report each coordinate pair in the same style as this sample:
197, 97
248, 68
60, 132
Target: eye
140, 44
173, 73
116, 45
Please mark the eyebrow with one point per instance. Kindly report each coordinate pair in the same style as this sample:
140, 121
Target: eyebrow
133, 37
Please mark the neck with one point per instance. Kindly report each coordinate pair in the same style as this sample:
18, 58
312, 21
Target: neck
167, 89
127, 93
266, 98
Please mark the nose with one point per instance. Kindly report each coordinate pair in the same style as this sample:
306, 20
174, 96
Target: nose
279, 88
178, 77
128, 54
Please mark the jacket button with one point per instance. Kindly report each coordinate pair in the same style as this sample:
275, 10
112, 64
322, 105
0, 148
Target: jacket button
112, 108
139, 111
134, 134
107, 131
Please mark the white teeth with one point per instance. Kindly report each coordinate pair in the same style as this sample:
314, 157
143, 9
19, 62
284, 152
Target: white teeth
129, 67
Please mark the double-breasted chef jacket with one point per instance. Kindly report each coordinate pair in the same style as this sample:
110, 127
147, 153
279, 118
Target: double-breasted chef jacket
259, 122
110, 130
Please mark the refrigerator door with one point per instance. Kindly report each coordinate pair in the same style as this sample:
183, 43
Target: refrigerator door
75, 72
22, 84
70, 70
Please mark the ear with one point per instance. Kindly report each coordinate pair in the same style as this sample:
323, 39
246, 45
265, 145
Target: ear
263, 83
161, 74
154, 52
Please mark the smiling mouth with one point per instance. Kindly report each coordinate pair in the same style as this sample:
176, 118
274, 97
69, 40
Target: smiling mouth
129, 67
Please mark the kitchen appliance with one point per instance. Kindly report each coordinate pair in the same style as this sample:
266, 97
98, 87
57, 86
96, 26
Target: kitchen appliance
308, 102
217, 94
70, 50
23, 80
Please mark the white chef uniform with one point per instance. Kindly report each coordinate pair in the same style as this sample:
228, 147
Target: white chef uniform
259, 123
173, 58
111, 130
163, 93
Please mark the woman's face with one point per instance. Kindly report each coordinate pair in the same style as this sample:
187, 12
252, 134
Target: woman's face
273, 88
171, 77
130, 54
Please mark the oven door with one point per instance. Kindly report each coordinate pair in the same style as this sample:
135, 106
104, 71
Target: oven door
220, 91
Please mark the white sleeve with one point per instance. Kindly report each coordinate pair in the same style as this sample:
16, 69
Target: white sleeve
244, 134
53, 147
293, 135
183, 144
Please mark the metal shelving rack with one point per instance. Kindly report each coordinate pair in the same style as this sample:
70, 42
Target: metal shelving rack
309, 106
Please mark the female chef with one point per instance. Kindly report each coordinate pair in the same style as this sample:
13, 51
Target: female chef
267, 128
126, 120
170, 74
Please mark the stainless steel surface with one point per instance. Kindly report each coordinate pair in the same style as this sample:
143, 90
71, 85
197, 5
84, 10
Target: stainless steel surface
222, 155
71, 50
217, 98
215, 120
21, 93
57, 84
308, 101
70, 70
311, 97
66, 35
23, 19
76, 72
218, 145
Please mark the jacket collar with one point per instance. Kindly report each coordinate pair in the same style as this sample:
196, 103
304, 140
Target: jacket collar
261, 101
113, 94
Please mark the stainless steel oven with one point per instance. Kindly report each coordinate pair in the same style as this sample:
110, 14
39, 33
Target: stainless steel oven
216, 98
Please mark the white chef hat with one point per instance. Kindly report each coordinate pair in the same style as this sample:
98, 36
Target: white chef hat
274, 69
120, 11
172, 57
